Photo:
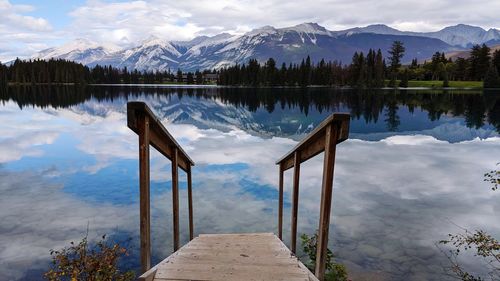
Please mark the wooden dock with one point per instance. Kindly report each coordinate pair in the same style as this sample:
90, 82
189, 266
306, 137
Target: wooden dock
252, 256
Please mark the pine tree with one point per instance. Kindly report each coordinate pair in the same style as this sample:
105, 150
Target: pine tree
396, 54
446, 81
179, 76
404, 79
199, 77
479, 61
190, 78
379, 70
496, 59
491, 79
270, 72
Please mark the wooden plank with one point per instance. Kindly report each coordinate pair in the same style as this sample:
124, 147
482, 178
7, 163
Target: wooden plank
223, 271
144, 212
326, 199
148, 275
175, 198
160, 139
166, 149
295, 202
280, 204
232, 257
313, 143
236, 235
190, 203
314, 147
301, 265
236, 259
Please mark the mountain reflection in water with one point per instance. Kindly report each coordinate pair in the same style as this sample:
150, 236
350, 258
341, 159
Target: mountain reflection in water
410, 171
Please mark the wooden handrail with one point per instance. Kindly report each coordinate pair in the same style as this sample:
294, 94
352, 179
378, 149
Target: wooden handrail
160, 138
151, 131
313, 144
325, 137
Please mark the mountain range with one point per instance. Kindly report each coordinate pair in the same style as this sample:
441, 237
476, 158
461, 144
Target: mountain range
286, 45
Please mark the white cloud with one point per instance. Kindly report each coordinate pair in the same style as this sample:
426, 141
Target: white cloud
21, 34
126, 22
177, 20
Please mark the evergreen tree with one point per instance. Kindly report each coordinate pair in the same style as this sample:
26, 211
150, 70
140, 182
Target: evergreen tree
404, 79
492, 80
362, 76
190, 78
3, 76
461, 69
179, 76
253, 72
199, 77
446, 81
496, 59
479, 61
379, 70
414, 63
270, 72
396, 54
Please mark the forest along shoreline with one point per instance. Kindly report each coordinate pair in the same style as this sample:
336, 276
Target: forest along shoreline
373, 71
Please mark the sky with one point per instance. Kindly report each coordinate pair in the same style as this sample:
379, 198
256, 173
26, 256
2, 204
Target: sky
28, 26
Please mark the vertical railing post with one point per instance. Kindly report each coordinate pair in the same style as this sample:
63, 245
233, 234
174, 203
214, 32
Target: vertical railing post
326, 200
280, 204
144, 212
175, 197
295, 200
190, 203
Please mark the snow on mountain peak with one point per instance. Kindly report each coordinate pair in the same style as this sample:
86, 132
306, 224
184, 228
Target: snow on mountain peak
205, 52
265, 30
309, 27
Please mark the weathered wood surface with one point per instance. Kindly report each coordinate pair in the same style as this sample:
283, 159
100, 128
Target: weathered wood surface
144, 212
253, 256
159, 137
314, 143
295, 202
151, 131
326, 200
325, 137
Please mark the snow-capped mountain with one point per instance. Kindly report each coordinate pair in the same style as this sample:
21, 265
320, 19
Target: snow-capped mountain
80, 50
458, 35
150, 55
286, 45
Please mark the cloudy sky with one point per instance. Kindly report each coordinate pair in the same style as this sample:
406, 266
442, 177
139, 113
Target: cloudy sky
27, 26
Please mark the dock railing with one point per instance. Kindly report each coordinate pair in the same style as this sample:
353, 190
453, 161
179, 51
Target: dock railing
150, 130
332, 131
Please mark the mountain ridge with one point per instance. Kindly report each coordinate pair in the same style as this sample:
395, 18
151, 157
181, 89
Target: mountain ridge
286, 45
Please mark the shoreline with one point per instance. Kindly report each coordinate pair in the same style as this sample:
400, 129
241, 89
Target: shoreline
11, 84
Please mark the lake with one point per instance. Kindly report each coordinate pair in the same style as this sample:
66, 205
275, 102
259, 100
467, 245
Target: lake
411, 172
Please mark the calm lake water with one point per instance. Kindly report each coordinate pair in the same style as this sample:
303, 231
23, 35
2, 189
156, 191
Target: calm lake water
410, 173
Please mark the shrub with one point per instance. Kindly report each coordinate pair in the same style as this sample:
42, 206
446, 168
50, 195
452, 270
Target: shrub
334, 271
88, 262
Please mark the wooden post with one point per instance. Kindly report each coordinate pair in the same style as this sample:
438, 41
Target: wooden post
190, 203
144, 213
295, 200
175, 197
280, 204
326, 200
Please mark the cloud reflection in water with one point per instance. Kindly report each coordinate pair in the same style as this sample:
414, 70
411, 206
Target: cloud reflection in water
393, 198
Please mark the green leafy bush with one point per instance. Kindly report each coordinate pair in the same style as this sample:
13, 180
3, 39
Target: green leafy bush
334, 271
